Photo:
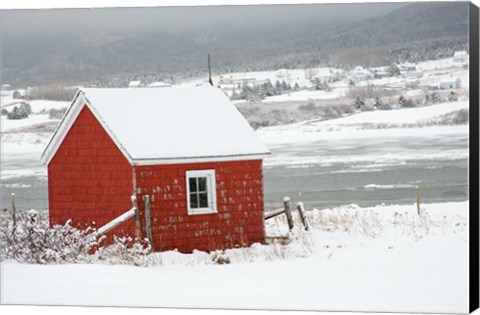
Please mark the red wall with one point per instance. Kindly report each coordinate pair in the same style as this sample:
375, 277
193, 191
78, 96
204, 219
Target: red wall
89, 179
239, 221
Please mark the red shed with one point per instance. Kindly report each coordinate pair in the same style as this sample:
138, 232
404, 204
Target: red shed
187, 148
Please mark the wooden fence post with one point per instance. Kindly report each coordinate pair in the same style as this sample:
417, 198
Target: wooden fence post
14, 211
418, 199
301, 211
148, 227
288, 212
137, 218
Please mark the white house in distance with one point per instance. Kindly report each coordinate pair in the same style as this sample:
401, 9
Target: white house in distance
282, 74
158, 84
360, 74
6, 87
327, 74
134, 84
460, 56
412, 82
450, 83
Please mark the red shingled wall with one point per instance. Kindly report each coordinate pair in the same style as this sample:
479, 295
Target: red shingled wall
239, 221
89, 179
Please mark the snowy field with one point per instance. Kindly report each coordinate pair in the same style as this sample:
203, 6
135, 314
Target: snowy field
367, 124
307, 95
383, 258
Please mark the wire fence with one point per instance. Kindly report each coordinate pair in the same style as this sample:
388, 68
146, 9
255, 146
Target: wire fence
23, 203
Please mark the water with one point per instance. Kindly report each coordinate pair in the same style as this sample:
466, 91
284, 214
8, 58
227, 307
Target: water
369, 171
327, 173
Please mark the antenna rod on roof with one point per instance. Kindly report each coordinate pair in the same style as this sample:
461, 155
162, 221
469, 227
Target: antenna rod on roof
209, 72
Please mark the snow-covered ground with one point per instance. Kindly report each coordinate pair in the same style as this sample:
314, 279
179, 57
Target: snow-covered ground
28, 136
307, 95
402, 263
386, 123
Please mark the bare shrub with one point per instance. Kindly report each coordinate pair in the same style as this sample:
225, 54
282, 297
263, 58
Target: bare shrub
370, 91
31, 240
56, 113
125, 251
51, 92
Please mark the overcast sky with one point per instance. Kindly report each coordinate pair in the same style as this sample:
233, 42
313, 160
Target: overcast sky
130, 20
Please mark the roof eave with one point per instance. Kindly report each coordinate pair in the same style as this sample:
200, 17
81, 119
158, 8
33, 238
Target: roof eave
200, 159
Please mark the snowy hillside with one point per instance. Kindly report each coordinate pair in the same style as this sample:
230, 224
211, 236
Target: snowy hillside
365, 124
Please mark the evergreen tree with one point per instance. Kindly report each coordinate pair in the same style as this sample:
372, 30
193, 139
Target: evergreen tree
452, 97
393, 70
17, 113
278, 88
378, 103
428, 99
26, 107
296, 87
402, 101
359, 103
435, 98
269, 88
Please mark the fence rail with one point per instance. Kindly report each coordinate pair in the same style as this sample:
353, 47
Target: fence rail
288, 213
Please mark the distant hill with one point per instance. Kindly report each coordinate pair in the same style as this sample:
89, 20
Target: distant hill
415, 32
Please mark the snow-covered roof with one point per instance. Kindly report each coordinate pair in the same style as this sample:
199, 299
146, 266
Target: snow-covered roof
162, 125
159, 84
323, 72
134, 83
450, 80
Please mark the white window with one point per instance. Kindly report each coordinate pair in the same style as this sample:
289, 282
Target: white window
201, 194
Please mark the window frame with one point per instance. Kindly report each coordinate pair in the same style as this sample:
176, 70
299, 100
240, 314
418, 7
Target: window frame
211, 191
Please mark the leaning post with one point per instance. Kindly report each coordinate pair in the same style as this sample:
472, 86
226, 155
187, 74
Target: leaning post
301, 212
14, 211
417, 189
288, 212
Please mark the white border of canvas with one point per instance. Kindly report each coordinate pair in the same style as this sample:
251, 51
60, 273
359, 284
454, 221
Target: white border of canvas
40, 310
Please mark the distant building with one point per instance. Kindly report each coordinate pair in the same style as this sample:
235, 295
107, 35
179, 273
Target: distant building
17, 95
460, 56
6, 87
224, 80
134, 84
412, 82
360, 74
378, 74
409, 70
407, 66
248, 81
450, 83
159, 84
325, 75
282, 74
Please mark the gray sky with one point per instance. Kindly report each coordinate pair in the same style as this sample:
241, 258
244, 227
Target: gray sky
130, 20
